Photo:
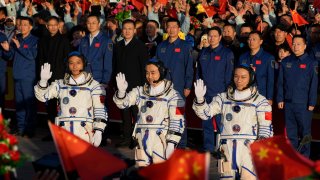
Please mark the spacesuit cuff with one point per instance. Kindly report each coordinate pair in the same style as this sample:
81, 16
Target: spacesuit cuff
99, 124
120, 95
199, 103
173, 137
43, 84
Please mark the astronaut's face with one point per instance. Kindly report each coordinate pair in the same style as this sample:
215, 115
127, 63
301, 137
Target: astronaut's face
75, 66
152, 74
241, 78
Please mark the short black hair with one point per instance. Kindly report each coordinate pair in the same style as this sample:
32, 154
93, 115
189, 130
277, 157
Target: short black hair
285, 47
299, 36
24, 18
258, 33
155, 22
246, 25
215, 28
94, 15
128, 21
173, 20
53, 18
230, 25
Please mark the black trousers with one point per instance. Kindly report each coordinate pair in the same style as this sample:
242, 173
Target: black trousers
129, 116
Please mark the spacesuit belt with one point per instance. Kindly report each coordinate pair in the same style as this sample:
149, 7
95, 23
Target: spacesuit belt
152, 126
238, 137
81, 119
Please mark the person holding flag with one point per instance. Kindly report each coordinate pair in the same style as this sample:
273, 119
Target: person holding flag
160, 116
81, 98
245, 117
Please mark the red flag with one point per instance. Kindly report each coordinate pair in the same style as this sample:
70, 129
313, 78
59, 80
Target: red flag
275, 158
289, 40
80, 156
138, 4
255, 1
183, 164
297, 18
163, 2
172, 13
222, 6
210, 10
316, 4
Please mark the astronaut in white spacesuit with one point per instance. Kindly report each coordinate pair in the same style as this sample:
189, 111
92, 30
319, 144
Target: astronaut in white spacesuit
246, 117
161, 114
81, 99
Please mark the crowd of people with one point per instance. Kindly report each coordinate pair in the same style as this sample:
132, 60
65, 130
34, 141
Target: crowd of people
186, 41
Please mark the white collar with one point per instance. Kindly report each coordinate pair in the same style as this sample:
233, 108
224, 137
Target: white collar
81, 79
157, 90
127, 42
238, 95
93, 36
152, 38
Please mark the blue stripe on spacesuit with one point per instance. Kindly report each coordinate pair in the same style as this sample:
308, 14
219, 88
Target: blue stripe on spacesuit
234, 154
71, 127
240, 103
248, 170
222, 177
153, 98
158, 155
144, 143
76, 88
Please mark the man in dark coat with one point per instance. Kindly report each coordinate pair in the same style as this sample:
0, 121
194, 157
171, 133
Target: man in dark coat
53, 49
130, 56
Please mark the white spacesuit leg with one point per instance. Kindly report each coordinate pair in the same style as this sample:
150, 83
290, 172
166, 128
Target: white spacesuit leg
225, 163
246, 167
158, 151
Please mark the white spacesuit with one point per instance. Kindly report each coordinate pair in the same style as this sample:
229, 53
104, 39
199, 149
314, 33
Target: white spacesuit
245, 117
160, 120
81, 105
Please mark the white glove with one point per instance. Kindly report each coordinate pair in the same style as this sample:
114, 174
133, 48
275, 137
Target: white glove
97, 137
169, 150
200, 90
45, 74
122, 84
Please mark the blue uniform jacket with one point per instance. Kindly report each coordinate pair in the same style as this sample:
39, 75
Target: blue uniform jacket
298, 80
315, 52
177, 58
98, 56
263, 63
24, 58
3, 62
215, 67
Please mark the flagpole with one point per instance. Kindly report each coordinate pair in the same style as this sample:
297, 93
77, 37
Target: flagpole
59, 153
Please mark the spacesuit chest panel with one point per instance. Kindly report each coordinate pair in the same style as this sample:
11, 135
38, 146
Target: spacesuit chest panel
76, 102
238, 118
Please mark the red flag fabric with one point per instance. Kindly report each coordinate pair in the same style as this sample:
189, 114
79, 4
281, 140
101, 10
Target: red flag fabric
183, 164
297, 18
138, 4
210, 10
163, 2
316, 4
289, 40
222, 6
275, 158
80, 156
255, 1
172, 13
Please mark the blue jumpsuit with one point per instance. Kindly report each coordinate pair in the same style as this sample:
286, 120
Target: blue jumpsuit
3, 70
263, 63
177, 57
98, 56
215, 67
297, 88
24, 75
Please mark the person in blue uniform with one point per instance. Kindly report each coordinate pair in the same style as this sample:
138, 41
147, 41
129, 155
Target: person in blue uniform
297, 94
23, 51
262, 62
97, 48
176, 56
3, 70
215, 67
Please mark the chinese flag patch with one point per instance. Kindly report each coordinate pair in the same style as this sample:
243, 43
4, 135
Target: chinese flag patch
268, 116
179, 110
303, 66
25, 46
217, 58
258, 61
177, 50
97, 45
102, 99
